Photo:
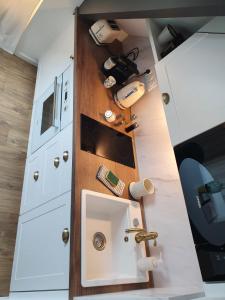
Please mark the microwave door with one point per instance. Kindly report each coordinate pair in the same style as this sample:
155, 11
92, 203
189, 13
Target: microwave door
47, 115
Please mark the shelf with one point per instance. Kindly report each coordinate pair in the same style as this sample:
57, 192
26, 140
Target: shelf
186, 26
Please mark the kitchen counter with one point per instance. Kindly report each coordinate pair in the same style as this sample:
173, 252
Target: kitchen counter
151, 294
93, 99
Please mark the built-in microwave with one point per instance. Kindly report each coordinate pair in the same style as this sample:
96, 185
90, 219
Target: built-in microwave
53, 111
201, 163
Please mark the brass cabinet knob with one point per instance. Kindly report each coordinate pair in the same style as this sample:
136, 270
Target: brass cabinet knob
65, 235
36, 175
65, 155
56, 161
166, 98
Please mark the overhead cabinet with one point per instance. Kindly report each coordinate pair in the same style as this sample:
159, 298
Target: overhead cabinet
191, 79
41, 260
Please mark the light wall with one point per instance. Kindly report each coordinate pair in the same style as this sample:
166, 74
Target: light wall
48, 23
165, 211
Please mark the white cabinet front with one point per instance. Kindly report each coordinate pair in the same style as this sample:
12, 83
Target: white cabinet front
32, 184
193, 76
48, 171
41, 260
53, 111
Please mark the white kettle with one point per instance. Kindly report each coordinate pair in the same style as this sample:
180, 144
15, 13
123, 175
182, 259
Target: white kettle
130, 94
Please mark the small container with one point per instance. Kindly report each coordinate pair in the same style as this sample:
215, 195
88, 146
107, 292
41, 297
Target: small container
110, 116
109, 63
131, 127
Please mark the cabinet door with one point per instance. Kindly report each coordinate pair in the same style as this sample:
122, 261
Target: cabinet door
32, 186
41, 260
52, 170
193, 76
53, 179
47, 116
66, 155
57, 176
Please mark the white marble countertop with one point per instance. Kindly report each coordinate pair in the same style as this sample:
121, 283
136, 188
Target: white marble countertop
151, 294
211, 298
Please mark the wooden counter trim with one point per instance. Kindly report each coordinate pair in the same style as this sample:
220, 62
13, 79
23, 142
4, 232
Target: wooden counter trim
92, 99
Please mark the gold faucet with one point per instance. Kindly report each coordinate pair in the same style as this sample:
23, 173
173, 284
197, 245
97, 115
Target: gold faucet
143, 235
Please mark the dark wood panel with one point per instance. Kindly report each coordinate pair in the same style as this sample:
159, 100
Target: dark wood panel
17, 79
92, 99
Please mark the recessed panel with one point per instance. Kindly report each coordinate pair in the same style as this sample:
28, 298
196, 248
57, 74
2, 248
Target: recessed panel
106, 142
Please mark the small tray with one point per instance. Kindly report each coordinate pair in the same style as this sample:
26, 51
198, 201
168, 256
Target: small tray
101, 175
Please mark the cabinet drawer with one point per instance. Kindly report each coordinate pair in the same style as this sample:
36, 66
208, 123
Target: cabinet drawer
41, 260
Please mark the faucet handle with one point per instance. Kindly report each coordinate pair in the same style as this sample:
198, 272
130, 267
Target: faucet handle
155, 242
130, 230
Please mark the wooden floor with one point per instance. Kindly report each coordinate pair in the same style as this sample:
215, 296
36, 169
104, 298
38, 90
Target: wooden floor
17, 80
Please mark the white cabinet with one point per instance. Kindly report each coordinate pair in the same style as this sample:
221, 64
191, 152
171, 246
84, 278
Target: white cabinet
57, 169
216, 25
41, 260
53, 110
32, 181
193, 75
48, 171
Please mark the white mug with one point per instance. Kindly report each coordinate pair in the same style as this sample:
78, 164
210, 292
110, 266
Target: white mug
151, 263
141, 188
146, 264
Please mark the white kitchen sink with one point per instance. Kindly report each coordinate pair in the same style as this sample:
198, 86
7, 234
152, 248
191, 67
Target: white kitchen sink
106, 258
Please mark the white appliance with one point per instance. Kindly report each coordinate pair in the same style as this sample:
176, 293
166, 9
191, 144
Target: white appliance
130, 94
53, 111
106, 31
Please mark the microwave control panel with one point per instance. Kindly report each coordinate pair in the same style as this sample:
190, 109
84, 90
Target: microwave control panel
67, 97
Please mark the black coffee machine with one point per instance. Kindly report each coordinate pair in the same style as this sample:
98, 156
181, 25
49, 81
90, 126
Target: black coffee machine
118, 69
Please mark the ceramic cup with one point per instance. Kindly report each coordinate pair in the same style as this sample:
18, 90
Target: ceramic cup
141, 188
146, 264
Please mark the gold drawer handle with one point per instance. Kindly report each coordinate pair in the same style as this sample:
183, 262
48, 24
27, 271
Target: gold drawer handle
56, 161
65, 235
65, 155
36, 175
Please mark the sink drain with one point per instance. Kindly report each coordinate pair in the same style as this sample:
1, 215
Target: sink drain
99, 241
